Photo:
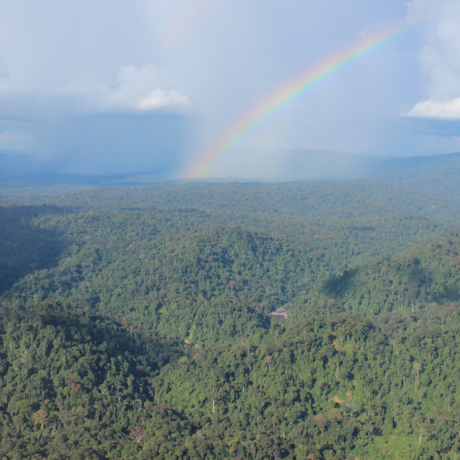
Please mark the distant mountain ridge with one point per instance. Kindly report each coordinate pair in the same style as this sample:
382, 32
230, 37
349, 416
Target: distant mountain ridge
400, 164
314, 164
337, 165
272, 165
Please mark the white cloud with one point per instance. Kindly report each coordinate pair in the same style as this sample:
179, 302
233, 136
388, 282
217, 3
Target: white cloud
160, 99
439, 61
445, 110
7, 136
137, 91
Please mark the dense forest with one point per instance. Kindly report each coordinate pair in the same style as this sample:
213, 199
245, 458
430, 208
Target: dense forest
298, 320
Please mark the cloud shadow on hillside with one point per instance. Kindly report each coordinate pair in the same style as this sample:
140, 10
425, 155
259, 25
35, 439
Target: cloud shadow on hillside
24, 247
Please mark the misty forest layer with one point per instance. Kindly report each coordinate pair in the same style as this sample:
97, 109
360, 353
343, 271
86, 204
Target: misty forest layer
231, 321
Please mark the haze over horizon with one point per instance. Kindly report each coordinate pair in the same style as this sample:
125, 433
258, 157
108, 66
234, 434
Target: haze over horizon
153, 85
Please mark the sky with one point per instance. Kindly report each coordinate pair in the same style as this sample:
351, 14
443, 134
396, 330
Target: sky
112, 87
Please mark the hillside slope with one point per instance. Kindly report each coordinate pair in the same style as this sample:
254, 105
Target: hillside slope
420, 278
75, 386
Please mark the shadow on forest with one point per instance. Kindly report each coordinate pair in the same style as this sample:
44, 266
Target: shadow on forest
340, 285
350, 280
25, 248
141, 353
411, 282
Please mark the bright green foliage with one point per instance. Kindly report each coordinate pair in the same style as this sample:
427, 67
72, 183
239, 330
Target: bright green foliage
416, 279
74, 386
343, 383
101, 290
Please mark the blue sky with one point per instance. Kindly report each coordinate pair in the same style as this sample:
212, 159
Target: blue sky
112, 86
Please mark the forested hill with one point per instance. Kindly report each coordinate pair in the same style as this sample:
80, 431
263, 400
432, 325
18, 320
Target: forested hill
80, 386
135, 321
419, 278
205, 282
214, 286
76, 386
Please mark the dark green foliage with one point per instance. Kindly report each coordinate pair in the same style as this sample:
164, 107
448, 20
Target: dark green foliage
73, 386
339, 384
416, 279
209, 275
106, 292
25, 248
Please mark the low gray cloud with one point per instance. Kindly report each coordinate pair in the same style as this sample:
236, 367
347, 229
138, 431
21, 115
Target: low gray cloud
136, 126
80, 92
112, 143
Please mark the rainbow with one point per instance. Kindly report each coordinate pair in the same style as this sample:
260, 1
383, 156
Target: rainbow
227, 145
181, 18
